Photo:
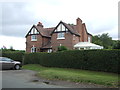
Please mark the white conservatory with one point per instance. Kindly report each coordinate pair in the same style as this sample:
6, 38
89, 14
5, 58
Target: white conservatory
87, 46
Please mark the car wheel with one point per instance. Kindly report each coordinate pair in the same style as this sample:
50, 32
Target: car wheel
17, 67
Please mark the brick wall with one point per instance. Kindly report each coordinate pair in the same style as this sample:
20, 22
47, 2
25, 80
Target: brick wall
37, 44
64, 42
79, 27
84, 35
75, 40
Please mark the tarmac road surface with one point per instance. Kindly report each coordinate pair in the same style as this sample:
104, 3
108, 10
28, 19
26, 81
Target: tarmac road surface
22, 79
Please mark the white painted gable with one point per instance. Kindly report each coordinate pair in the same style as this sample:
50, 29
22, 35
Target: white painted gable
61, 27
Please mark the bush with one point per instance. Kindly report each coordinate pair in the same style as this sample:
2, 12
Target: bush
62, 48
97, 60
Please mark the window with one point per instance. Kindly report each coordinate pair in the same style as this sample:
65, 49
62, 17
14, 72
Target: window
33, 49
34, 38
61, 36
74, 37
49, 50
89, 39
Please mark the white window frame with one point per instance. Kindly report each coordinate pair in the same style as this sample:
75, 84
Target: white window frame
89, 39
33, 49
49, 50
61, 35
33, 37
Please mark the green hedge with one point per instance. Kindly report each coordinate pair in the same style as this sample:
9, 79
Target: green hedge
18, 56
97, 60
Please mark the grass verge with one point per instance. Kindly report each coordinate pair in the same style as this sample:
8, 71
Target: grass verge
75, 75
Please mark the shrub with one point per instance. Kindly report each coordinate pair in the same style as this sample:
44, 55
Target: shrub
62, 48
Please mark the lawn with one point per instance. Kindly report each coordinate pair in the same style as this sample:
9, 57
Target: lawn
75, 75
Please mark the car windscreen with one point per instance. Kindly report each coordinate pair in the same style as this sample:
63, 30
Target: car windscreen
4, 59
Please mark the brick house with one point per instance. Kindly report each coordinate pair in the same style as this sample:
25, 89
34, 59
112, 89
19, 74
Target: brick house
40, 39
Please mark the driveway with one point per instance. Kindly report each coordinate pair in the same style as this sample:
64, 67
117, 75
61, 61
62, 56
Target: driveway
27, 79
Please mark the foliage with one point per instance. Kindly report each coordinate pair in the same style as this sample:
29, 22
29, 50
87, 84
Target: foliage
11, 50
116, 45
75, 75
97, 60
62, 48
15, 55
104, 40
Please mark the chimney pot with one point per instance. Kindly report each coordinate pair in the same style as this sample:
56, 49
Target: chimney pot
39, 24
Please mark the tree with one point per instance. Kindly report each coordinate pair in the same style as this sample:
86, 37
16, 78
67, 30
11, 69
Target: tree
11, 48
117, 45
104, 40
96, 40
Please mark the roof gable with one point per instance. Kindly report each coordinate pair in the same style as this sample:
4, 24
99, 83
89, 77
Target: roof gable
31, 30
45, 32
70, 28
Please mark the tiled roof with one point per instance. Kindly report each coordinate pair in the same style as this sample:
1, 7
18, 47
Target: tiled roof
72, 28
44, 31
48, 31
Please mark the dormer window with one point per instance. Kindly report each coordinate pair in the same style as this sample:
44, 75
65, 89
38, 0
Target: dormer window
61, 35
33, 37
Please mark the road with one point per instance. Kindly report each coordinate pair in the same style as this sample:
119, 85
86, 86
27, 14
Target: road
23, 79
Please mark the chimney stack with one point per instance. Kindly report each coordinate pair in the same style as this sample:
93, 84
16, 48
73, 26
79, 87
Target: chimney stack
40, 24
78, 21
79, 27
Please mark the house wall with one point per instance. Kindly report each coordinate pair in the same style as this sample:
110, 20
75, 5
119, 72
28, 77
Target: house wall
75, 40
84, 35
37, 44
90, 38
68, 41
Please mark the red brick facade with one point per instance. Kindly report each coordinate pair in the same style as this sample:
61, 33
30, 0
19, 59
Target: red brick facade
47, 38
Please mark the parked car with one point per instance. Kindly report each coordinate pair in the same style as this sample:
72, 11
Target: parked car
7, 63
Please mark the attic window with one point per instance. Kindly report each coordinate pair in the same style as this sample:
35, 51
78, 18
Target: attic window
61, 36
33, 37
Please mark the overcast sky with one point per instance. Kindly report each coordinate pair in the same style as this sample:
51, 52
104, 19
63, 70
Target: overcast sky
16, 18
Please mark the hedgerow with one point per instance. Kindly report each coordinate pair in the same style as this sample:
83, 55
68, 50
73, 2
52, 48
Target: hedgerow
97, 60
